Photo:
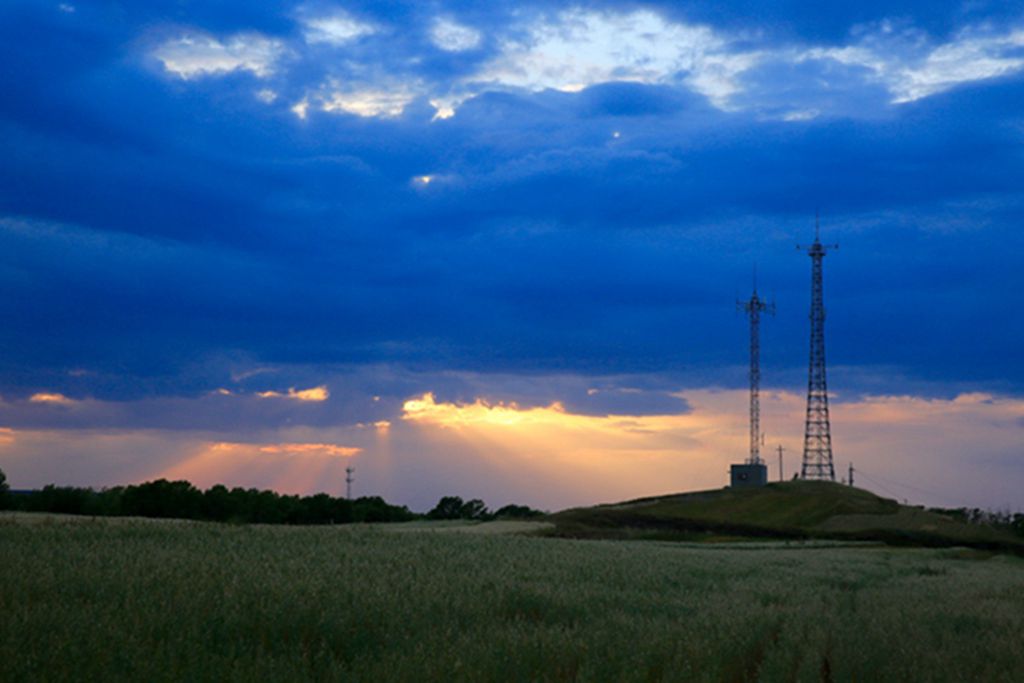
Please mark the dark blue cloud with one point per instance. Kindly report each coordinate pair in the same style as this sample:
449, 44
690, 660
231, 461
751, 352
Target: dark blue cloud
158, 232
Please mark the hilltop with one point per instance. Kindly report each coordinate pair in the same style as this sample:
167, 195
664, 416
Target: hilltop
786, 510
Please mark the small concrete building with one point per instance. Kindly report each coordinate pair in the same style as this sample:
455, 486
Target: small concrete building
748, 475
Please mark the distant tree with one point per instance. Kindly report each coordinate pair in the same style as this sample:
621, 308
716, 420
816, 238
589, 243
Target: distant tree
474, 509
1017, 526
375, 509
453, 507
449, 507
106, 502
162, 498
61, 499
217, 504
518, 512
4, 491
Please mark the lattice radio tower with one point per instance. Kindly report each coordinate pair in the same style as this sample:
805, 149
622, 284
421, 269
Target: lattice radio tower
817, 463
754, 308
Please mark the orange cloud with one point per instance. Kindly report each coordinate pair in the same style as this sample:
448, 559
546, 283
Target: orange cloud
606, 456
317, 394
312, 449
482, 414
50, 397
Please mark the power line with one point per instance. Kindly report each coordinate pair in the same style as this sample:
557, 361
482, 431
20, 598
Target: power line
893, 482
879, 484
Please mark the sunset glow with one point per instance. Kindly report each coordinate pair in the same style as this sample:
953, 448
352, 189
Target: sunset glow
553, 456
494, 250
311, 449
315, 394
47, 397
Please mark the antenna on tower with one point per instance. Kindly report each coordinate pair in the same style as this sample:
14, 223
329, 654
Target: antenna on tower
348, 481
817, 460
754, 307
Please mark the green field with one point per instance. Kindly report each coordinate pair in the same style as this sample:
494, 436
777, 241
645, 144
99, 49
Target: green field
132, 600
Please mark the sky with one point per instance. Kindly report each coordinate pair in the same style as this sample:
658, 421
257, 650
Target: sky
494, 249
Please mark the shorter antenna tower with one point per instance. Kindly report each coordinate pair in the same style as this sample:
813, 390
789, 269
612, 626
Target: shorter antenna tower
348, 481
779, 448
754, 307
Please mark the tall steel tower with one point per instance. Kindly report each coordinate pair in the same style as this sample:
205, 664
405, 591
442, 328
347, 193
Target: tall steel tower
817, 462
754, 308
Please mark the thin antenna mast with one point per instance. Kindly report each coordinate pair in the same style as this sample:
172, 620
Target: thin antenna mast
754, 307
348, 481
780, 449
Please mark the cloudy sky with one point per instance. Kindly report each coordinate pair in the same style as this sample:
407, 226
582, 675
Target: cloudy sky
493, 249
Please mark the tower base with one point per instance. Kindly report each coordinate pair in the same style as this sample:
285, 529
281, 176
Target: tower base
748, 475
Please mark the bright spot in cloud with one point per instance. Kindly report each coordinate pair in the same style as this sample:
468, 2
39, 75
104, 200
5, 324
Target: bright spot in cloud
369, 103
197, 54
423, 179
801, 115
336, 29
910, 73
444, 108
583, 457
301, 108
426, 409
50, 397
580, 48
266, 95
451, 36
332, 450
315, 394
961, 61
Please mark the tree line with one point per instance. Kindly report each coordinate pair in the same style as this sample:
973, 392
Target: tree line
182, 500
453, 507
1000, 519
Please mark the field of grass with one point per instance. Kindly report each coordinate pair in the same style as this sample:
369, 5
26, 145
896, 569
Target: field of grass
103, 600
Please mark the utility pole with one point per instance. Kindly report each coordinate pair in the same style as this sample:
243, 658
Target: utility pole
780, 449
754, 308
850, 478
348, 481
817, 460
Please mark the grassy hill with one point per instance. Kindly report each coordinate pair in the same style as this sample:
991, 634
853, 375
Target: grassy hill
788, 510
